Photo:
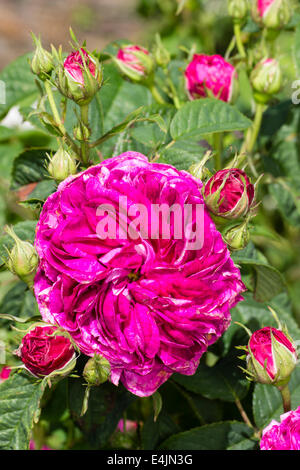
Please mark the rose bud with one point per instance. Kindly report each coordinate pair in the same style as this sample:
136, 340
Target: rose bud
43, 352
96, 370
266, 79
229, 194
42, 62
135, 63
22, 258
61, 165
237, 237
4, 373
210, 76
272, 14
80, 77
271, 356
237, 9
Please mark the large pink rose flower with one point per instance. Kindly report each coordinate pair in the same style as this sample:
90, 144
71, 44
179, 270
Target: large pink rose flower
149, 305
284, 435
212, 74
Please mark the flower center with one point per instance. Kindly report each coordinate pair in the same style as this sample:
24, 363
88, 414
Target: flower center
134, 275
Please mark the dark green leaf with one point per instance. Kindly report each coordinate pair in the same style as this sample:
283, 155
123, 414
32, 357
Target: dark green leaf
20, 397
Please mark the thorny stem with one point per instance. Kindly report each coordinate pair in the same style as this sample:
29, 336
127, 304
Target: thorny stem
243, 413
217, 143
174, 94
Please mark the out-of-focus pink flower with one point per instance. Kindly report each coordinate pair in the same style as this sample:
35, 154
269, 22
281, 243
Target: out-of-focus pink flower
273, 14
284, 435
271, 355
42, 352
32, 446
146, 303
74, 66
5, 373
128, 56
212, 74
130, 425
229, 193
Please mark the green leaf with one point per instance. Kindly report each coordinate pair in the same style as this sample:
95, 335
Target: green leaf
157, 404
24, 230
19, 301
20, 397
224, 381
19, 83
228, 435
8, 152
182, 154
29, 167
267, 281
206, 116
267, 402
105, 408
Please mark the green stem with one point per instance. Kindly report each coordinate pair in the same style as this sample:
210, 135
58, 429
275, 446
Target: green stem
217, 144
252, 133
286, 397
156, 95
53, 107
84, 114
174, 94
239, 42
243, 413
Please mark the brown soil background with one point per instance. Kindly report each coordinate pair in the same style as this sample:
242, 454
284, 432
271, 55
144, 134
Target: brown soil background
97, 21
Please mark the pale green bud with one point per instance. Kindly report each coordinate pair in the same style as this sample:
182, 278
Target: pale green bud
266, 79
96, 370
237, 237
22, 259
238, 9
61, 165
42, 61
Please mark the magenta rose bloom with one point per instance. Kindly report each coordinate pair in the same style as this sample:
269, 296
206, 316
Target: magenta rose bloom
74, 67
229, 193
271, 355
284, 435
144, 301
42, 352
211, 73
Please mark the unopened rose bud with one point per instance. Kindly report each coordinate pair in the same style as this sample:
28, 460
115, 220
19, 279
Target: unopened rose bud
42, 62
81, 132
272, 14
80, 77
237, 237
229, 194
266, 79
43, 352
271, 356
211, 76
22, 259
135, 63
96, 370
61, 165
238, 9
